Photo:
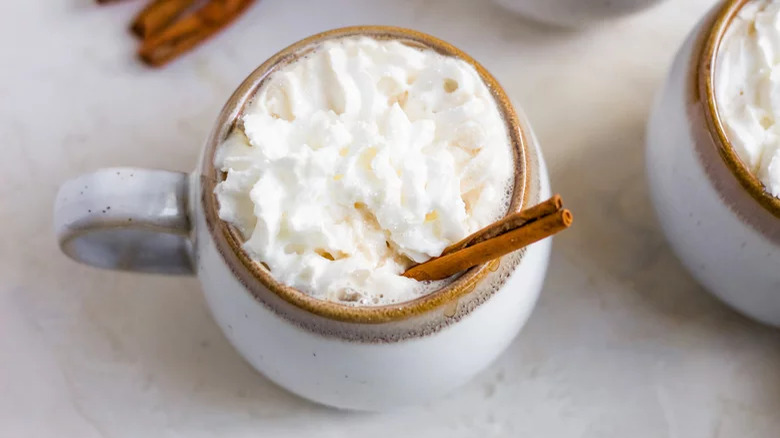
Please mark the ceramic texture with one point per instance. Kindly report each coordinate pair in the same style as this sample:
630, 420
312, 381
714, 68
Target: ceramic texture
724, 229
126, 219
353, 365
575, 13
347, 357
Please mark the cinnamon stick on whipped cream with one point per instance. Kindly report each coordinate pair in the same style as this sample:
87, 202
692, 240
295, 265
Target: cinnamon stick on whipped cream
500, 238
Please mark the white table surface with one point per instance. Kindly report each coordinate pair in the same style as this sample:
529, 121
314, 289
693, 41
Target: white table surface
622, 344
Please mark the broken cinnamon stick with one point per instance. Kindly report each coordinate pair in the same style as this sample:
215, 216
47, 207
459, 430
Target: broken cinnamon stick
190, 30
444, 266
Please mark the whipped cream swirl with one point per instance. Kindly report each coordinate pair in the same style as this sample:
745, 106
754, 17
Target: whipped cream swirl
361, 159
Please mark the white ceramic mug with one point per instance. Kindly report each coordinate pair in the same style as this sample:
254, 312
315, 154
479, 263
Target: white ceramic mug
575, 13
367, 358
716, 215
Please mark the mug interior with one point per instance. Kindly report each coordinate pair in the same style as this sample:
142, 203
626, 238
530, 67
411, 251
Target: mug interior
229, 239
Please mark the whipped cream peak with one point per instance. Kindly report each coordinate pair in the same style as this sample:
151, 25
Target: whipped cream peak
361, 159
747, 89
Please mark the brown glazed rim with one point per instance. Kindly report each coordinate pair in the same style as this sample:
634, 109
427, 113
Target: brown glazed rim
706, 78
223, 233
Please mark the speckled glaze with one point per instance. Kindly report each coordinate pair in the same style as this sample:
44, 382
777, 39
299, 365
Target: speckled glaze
575, 13
126, 219
719, 220
367, 358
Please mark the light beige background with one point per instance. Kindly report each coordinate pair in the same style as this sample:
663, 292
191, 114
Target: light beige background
622, 344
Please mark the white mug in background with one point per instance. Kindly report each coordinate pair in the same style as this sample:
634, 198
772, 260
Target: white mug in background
366, 358
575, 13
716, 215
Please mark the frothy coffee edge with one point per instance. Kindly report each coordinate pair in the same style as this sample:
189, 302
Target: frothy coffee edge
429, 323
361, 298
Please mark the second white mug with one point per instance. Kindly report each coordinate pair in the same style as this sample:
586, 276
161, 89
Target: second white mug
575, 13
718, 218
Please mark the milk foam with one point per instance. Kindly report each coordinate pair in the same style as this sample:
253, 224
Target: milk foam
358, 161
747, 88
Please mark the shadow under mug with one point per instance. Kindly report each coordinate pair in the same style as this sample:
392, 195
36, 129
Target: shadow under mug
365, 358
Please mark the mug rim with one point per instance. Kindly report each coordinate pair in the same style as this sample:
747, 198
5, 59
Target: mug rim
251, 273
707, 65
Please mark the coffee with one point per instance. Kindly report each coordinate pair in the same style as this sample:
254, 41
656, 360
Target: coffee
360, 159
747, 87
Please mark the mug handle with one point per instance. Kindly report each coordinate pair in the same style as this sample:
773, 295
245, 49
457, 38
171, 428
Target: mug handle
127, 219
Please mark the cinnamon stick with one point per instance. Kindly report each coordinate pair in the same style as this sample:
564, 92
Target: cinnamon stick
470, 256
158, 14
510, 222
191, 30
